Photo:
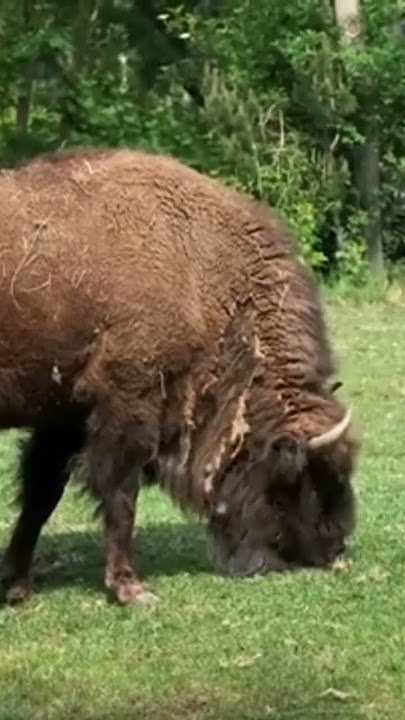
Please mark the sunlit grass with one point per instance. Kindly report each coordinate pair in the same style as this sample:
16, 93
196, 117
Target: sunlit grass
313, 645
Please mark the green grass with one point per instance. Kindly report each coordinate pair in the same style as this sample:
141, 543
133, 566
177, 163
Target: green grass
309, 646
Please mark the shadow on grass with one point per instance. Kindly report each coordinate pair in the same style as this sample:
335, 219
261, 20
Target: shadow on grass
214, 713
76, 558
283, 705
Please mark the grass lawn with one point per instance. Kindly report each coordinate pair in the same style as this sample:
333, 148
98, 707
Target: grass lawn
308, 646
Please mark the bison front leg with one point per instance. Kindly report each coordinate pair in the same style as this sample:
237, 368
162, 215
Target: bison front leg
121, 578
114, 479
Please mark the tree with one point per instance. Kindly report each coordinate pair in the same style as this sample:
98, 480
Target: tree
366, 155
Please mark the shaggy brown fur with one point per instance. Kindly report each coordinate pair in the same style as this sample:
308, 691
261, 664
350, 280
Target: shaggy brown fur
163, 321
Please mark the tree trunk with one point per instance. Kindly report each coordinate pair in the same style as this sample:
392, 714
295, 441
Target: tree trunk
370, 187
348, 17
24, 101
25, 97
86, 18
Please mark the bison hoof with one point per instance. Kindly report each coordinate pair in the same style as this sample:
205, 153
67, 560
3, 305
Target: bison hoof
18, 592
15, 589
134, 594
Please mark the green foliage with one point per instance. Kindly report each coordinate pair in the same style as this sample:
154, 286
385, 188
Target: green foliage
352, 256
265, 95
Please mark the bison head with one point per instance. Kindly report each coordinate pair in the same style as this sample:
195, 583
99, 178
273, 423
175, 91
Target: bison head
291, 507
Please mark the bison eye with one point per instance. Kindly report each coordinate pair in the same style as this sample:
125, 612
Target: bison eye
286, 460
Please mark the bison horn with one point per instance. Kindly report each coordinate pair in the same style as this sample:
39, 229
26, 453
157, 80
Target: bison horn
332, 435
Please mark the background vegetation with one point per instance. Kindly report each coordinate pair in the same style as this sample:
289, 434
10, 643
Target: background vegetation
270, 96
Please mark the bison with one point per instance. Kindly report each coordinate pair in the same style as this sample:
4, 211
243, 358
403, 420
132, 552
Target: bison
154, 323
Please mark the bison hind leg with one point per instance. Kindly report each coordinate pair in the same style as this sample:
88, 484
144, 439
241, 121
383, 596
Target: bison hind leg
44, 470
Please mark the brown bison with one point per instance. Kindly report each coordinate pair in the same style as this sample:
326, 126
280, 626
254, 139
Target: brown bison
154, 321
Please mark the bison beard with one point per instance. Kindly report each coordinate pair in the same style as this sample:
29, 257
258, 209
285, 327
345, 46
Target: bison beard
292, 525
154, 321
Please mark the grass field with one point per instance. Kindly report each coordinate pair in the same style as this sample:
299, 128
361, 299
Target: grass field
309, 646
